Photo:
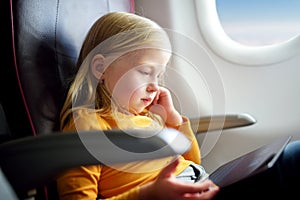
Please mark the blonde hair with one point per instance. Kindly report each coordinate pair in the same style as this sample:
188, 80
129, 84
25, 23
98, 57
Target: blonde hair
112, 36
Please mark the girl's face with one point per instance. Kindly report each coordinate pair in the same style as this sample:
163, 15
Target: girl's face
132, 80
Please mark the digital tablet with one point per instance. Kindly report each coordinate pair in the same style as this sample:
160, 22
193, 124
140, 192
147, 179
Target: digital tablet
249, 164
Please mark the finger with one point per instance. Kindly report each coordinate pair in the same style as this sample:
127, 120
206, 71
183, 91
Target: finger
203, 195
164, 92
201, 191
210, 193
156, 97
196, 187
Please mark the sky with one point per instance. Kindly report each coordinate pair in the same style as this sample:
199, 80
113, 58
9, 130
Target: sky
260, 22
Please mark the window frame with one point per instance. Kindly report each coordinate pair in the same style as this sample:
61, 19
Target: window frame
221, 44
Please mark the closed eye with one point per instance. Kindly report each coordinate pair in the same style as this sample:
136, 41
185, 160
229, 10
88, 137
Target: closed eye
144, 72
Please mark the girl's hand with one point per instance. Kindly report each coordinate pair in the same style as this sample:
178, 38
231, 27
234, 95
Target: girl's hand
163, 106
166, 186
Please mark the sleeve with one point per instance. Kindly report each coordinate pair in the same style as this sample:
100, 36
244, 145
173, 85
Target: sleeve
79, 183
194, 152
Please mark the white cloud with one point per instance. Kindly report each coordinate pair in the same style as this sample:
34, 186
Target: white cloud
262, 33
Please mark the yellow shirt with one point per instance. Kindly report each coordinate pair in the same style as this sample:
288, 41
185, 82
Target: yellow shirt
120, 181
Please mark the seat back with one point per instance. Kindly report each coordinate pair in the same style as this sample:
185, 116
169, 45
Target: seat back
47, 36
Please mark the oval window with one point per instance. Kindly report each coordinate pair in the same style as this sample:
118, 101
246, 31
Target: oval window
259, 22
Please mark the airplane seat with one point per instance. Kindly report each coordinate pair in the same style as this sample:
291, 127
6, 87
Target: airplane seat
46, 40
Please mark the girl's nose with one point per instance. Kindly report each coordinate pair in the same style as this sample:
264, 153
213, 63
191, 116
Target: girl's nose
152, 87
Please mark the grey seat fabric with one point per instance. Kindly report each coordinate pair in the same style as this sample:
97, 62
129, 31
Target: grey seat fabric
47, 40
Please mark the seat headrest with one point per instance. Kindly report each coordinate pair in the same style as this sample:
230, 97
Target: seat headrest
47, 37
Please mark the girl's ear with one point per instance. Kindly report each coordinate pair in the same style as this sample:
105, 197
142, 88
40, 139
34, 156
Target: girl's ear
98, 66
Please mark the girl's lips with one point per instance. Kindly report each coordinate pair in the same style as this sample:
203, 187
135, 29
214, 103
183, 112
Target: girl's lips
146, 100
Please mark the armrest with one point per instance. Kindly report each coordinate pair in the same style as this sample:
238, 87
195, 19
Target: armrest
34, 161
221, 122
6, 190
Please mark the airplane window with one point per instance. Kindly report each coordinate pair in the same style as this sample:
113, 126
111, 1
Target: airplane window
250, 32
259, 22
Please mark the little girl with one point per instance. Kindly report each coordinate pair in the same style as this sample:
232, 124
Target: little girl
120, 66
